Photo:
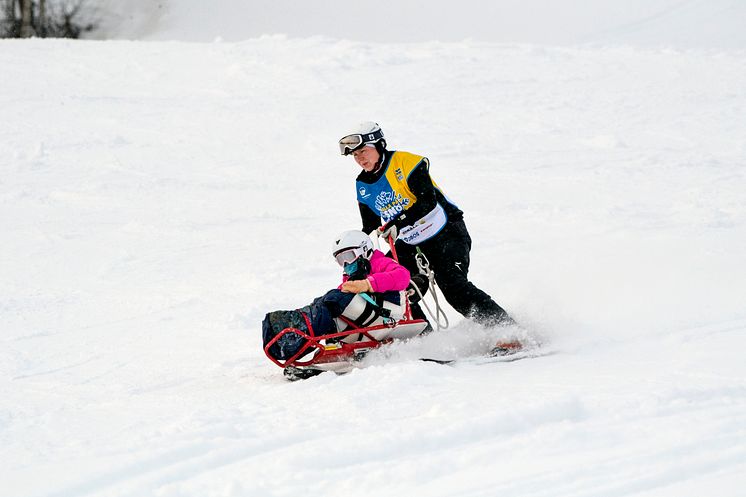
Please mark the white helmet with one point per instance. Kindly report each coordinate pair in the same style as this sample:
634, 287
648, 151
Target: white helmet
350, 245
366, 133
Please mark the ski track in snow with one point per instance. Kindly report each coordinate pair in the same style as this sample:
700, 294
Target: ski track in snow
158, 198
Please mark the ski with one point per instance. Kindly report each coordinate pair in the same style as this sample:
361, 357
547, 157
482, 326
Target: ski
506, 352
489, 359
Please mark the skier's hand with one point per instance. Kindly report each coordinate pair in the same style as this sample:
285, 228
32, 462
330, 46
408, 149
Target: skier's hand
357, 286
389, 230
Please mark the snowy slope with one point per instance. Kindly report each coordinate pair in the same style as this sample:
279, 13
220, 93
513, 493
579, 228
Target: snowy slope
158, 198
714, 24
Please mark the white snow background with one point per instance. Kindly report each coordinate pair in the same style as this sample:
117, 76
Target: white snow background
158, 198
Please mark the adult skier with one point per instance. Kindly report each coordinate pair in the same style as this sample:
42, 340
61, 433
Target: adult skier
395, 189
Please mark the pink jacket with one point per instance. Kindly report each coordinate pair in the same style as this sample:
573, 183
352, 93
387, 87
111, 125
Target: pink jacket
385, 274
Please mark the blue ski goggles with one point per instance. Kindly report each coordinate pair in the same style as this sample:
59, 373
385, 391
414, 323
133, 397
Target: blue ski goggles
350, 143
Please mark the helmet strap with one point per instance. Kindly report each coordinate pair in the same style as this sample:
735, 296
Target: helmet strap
381, 159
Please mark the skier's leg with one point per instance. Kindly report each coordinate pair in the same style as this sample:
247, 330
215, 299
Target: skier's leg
350, 306
449, 258
335, 301
324, 311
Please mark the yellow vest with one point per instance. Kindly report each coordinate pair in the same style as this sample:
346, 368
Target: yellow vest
390, 195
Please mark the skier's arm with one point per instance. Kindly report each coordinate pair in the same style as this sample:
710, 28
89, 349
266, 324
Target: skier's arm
370, 219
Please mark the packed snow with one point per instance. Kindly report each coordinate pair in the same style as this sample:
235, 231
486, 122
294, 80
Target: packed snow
159, 198
717, 24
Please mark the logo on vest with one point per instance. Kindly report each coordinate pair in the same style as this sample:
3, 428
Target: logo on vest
362, 193
390, 204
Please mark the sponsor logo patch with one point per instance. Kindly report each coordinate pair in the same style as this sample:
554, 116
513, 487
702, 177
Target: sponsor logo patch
390, 204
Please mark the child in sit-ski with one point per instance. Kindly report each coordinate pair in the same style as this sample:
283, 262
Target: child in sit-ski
367, 273
372, 292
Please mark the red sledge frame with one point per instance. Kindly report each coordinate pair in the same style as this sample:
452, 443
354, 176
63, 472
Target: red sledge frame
338, 350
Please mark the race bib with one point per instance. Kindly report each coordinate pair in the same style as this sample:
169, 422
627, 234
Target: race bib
425, 228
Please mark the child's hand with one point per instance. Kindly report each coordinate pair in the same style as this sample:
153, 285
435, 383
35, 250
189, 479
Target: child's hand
357, 286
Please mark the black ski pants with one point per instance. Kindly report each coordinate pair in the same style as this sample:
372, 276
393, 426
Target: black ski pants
448, 254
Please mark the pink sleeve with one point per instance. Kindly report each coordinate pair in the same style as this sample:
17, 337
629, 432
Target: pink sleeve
390, 276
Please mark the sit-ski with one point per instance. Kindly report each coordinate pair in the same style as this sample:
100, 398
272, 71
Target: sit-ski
339, 351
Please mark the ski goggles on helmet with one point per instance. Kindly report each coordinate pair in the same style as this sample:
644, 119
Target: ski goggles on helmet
350, 143
348, 256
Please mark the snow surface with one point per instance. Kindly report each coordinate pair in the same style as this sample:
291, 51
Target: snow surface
651, 23
157, 199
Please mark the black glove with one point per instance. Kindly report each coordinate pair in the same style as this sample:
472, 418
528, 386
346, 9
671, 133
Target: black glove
422, 284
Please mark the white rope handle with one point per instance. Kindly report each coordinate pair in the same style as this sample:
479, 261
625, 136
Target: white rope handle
423, 265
